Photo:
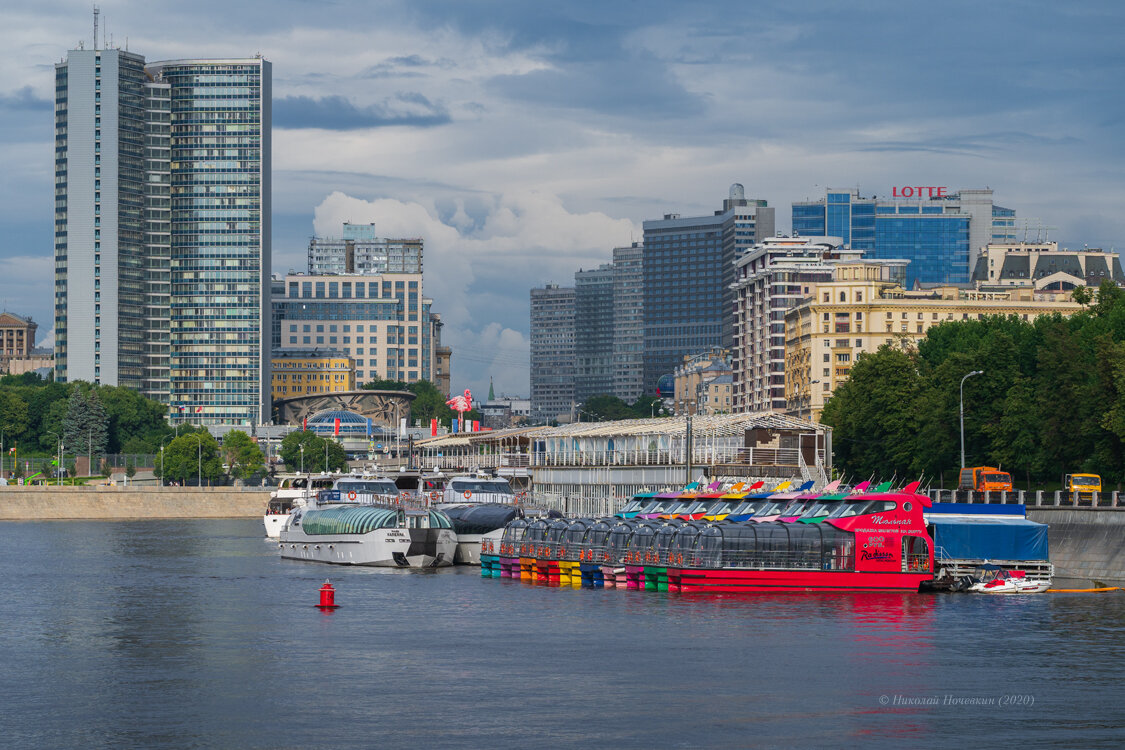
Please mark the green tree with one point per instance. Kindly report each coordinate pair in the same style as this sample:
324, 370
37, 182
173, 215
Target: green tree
190, 455
313, 454
86, 426
242, 455
131, 415
605, 408
14, 417
874, 414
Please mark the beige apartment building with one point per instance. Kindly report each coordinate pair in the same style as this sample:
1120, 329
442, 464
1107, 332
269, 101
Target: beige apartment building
862, 310
693, 379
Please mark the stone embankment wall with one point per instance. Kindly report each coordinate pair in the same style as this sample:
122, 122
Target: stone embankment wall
1087, 544
120, 503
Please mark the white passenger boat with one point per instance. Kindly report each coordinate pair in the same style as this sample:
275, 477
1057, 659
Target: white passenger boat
477, 488
292, 492
363, 521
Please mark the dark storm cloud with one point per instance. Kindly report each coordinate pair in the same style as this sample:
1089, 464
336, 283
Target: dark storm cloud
25, 99
336, 112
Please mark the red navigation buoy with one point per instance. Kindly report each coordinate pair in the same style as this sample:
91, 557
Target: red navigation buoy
327, 597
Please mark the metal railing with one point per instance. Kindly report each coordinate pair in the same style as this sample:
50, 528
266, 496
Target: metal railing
1036, 499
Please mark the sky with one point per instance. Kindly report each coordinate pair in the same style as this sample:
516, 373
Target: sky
524, 140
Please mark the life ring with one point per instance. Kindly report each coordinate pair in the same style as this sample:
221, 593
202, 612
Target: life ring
468, 494
435, 496
351, 495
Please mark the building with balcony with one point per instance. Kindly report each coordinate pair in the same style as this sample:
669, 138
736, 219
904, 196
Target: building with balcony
553, 353
359, 251
690, 377
772, 277
865, 306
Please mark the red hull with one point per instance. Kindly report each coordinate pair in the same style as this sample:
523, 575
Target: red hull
733, 581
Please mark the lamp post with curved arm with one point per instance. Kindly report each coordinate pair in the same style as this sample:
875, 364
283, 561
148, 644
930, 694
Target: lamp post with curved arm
969, 375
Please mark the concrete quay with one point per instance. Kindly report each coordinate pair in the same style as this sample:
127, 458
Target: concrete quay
41, 503
1087, 544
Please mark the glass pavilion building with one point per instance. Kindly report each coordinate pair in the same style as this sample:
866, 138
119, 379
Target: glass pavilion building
940, 235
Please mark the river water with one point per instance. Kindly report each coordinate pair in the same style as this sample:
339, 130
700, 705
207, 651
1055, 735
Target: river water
195, 634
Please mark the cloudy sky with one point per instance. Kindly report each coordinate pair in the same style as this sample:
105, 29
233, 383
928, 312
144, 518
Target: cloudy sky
524, 140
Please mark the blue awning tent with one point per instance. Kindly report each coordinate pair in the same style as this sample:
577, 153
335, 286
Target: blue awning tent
989, 538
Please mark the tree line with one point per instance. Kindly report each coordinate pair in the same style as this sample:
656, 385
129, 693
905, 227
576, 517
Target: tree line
1050, 399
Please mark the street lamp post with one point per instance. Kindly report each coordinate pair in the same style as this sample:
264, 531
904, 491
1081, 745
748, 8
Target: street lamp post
302, 458
58, 471
974, 372
199, 443
326, 455
161, 463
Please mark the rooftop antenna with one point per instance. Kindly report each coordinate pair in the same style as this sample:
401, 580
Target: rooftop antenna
96, 12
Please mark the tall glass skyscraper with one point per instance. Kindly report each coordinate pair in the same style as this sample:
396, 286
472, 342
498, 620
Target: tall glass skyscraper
941, 235
162, 230
688, 276
219, 337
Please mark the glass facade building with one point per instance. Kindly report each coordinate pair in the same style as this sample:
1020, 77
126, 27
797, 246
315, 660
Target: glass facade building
162, 230
382, 322
941, 236
552, 352
688, 276
593, 332
219, 159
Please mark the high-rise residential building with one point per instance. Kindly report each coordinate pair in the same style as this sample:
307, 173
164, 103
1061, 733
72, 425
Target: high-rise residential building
381, 321
358, 250
219, 338
772, 277
552, 352
162, 230
99, 206
688, 276
938, 231
628, 322
593, 332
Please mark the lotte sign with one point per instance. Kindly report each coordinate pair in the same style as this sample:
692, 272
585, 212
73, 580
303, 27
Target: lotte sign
918, 192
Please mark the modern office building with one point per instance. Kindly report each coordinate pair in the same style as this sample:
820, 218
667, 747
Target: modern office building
593, 332
865, 306
938, 231
219, 337
688, 276
628, 322
552, 353
99, 208
381, 321
358, 250
1044, 266
772, 277
305, 372
162, 230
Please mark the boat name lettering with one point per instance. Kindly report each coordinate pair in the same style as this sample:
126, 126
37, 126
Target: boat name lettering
396, 532
878, 520
878, 556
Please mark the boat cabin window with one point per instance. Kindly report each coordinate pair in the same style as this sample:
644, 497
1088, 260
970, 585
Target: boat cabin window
496, 486
915, 554
367, 486
514, 531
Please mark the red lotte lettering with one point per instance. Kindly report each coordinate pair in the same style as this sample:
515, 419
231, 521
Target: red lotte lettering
919, 191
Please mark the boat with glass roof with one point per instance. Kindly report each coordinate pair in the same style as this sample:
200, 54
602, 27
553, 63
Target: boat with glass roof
363, 521
876, 541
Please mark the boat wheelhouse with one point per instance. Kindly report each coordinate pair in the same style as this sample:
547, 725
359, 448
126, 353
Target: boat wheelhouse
476, 488
292, 492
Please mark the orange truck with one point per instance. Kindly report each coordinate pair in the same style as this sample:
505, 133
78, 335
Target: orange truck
985, 479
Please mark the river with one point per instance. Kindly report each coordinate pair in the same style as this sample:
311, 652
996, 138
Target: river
186, 634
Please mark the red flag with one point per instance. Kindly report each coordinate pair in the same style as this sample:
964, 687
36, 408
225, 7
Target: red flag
476, 426
337, 427
199, 410
433, 428
305, 424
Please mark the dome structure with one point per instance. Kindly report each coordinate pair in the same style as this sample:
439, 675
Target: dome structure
324, 423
